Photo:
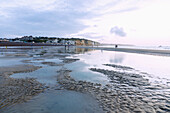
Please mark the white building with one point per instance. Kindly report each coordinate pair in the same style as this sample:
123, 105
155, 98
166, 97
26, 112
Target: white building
52, 41
18, 41
71, 42
55, 41
63, 42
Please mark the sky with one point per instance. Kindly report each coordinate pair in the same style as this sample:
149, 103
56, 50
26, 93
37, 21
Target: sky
137, 22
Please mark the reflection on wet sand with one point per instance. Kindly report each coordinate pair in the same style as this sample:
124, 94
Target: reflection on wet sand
115, 80
117, 58
50, 59
82, 50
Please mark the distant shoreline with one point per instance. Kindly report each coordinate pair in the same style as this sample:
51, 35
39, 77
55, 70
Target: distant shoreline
128, 50
27, 44
132, 50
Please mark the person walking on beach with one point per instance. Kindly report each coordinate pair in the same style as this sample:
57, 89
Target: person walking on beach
116, 46
65, 46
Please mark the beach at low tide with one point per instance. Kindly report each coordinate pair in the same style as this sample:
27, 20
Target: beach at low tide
84, 79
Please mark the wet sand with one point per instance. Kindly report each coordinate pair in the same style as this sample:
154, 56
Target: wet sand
124, 93
17, 90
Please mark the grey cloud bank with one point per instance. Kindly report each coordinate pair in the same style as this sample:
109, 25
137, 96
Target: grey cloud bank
118, 31
47, 19
87, 19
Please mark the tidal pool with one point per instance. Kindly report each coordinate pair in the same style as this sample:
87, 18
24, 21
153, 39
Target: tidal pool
155, 68
56, 101
53, 100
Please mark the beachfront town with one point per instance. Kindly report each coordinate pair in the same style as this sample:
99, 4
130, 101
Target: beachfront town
50, 40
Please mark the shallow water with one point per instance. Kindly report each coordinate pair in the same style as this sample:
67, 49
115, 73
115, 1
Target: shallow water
46, 75
10, 62
56, 101
53, 100
80, 71
155, 68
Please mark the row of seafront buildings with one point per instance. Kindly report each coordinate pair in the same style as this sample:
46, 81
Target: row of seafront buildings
52, 40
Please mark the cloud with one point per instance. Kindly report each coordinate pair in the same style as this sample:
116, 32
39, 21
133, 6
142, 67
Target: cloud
38, 5
51, 17
118, 31
48, 19
90, 35
88, 19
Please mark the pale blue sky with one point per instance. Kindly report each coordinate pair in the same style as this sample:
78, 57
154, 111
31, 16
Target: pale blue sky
139, 22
